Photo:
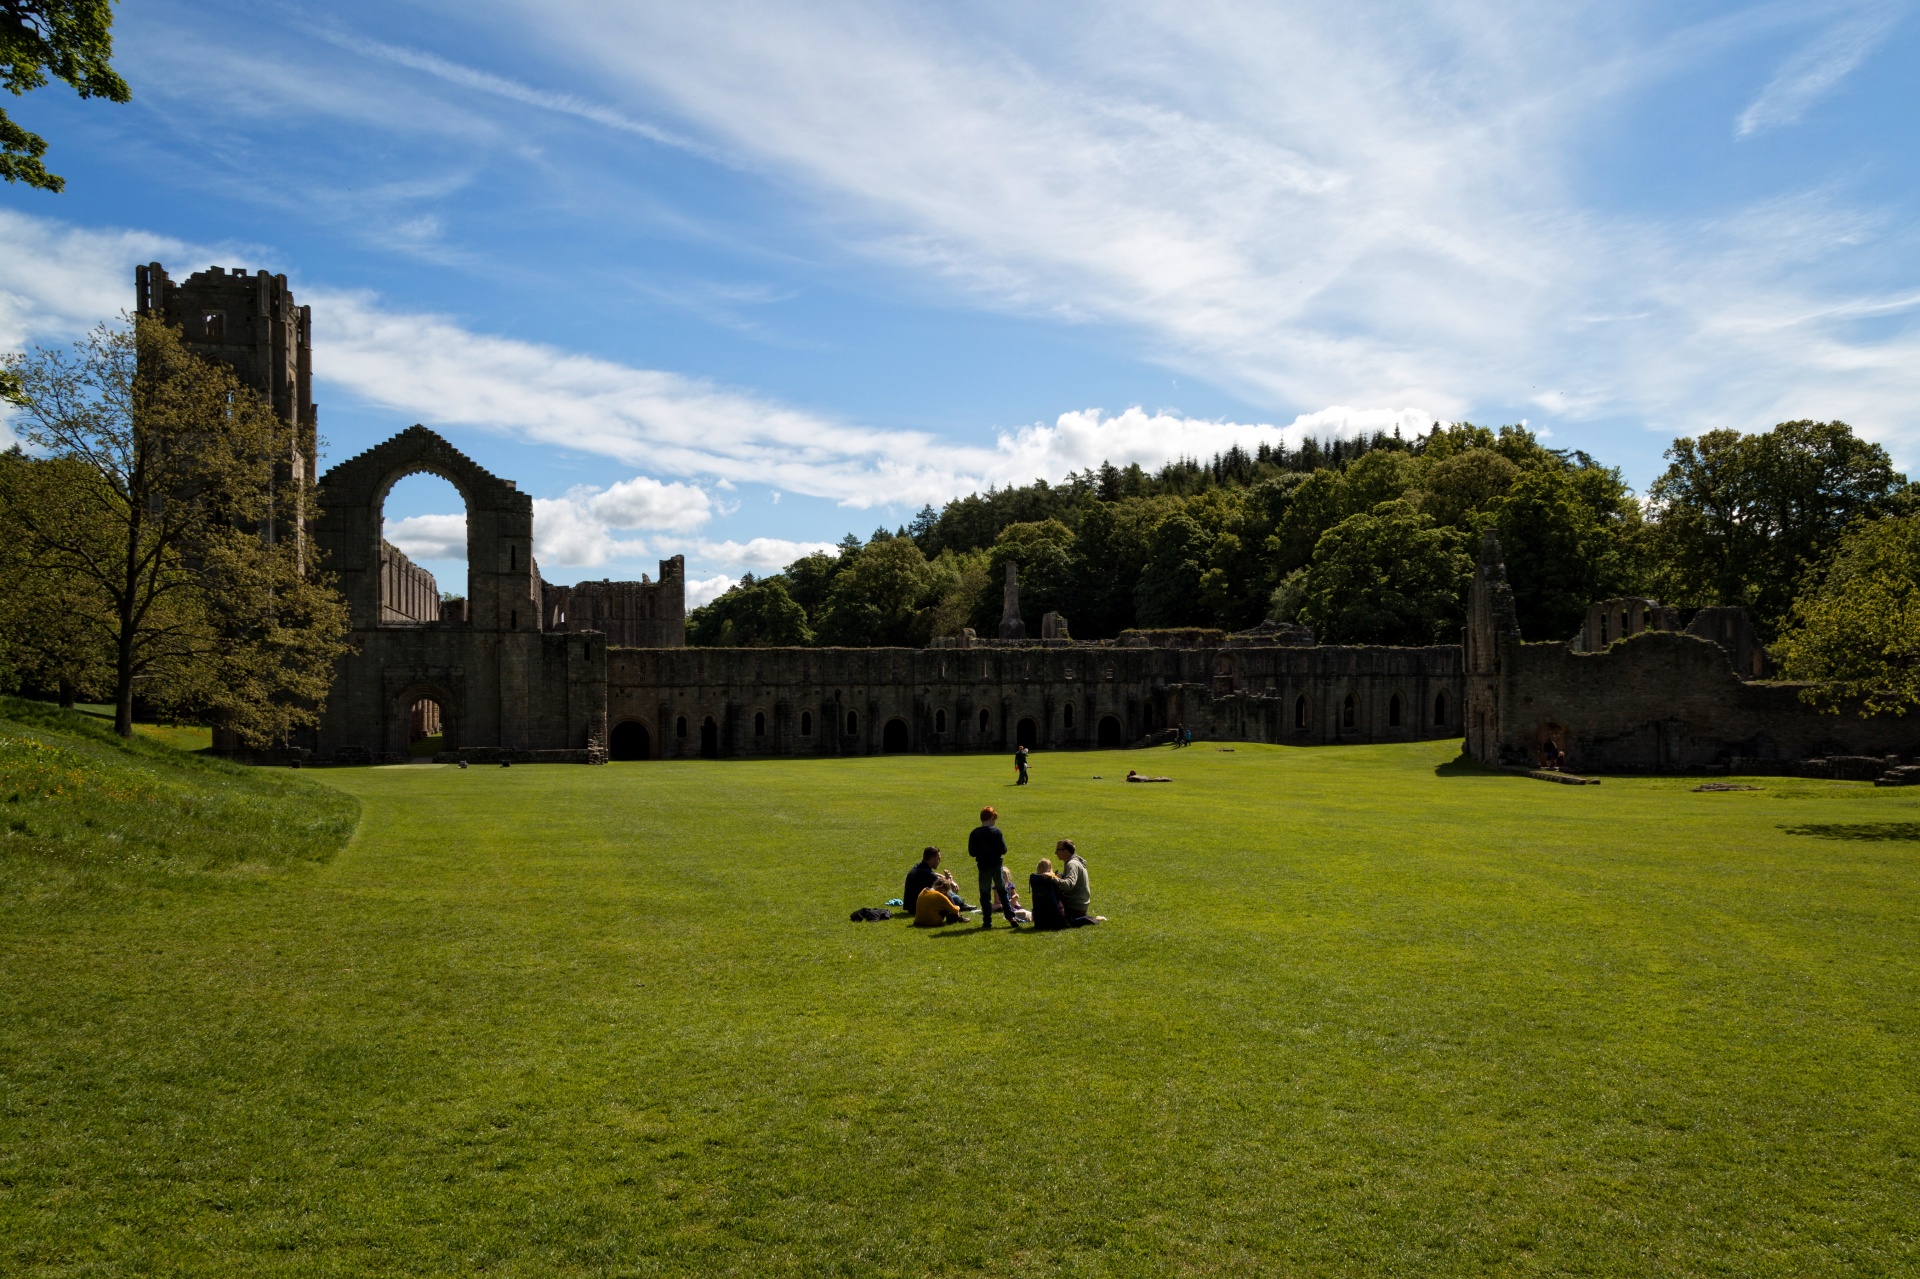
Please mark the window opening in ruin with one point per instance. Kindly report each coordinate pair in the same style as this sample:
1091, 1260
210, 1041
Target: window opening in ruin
709, 739
806, 723
894, 738
422, 549
513, 557
1440, 708
1300, 712
214, 325
680, 726
985, 722
939, 721
1027, 734
513, 619
1606, 629
1346, 712
1625, 630
630, 740
759, 723
1393, 712
1112, 736
853, 723
1066, 715
426, 730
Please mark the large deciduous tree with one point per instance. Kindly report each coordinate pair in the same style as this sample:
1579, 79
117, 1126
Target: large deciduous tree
1389, 576
754, 614
164, 511
69, 39
1855, 634
1742, 518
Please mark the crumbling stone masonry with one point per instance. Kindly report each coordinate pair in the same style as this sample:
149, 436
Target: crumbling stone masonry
1658, 699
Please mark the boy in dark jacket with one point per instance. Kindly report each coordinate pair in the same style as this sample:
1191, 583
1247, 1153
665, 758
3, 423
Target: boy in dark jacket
988, 848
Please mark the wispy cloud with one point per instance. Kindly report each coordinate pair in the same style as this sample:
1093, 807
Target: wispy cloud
1816, 69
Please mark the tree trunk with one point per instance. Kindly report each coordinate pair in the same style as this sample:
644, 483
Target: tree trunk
123, 673
66, 693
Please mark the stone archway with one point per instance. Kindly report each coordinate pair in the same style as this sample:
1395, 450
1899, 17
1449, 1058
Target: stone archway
709, 739
895, 738
1027, 734
630, 740
1112, 735
408, 719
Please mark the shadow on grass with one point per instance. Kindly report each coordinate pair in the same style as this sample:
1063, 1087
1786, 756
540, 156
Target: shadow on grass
1464, 765
1871, 831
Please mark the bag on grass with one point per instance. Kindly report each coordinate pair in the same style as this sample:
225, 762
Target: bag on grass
867, 914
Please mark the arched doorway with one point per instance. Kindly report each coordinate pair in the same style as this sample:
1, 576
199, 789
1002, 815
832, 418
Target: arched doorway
1112, 736
630, 740
426, 728
1440, 710
709, 739
1027, 734
894, 737
1393, 712
422, 551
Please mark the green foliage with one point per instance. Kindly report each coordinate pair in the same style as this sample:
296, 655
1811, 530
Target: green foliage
86, 812
1856, 634
1044, 551
879, 597
1168, 593
754, 614
1390, 576
157, 516
1561, 553
1742, 518
71, 39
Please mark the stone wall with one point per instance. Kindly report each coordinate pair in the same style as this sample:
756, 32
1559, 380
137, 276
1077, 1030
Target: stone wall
1658, 700
642, 614
408, 592
811, 701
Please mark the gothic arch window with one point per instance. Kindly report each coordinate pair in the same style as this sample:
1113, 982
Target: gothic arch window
680, 726
1300, 711
806, 723
940, 721
853, 723
1440, 708
1393, 712
759, 723
1346, 712
1066, 715
985, 721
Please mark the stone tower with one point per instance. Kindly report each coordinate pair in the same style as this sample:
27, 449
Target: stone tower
1011, 627
251, 324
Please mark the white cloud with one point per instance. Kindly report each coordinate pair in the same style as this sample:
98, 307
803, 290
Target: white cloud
429, 537
643, 502
57, 281
759, 555
1814, 71
707, 589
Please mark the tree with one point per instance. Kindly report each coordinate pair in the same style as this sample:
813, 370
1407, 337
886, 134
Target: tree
71, 39
1855, 635
47, 634
1168, 593
1561, 554
1742, 518
754, 614
167, 506
1390, 576
876, 599
1044, 550
1459, 486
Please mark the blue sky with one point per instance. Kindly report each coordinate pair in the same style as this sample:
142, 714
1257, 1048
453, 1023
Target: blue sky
731, 279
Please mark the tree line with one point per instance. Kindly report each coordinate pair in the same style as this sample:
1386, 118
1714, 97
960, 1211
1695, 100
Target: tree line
152, 545
1370, 541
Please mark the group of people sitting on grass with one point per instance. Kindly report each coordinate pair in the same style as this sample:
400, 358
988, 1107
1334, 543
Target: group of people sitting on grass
1060, 898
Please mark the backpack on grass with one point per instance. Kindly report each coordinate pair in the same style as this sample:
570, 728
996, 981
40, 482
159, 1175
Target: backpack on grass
867, 914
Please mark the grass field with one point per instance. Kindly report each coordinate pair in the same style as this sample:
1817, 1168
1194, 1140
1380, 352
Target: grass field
1358, 1011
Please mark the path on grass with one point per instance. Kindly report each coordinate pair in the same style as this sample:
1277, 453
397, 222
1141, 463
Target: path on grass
1359, 1011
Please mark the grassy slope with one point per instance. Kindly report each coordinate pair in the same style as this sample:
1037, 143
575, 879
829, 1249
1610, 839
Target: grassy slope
83, 813
1359, 1012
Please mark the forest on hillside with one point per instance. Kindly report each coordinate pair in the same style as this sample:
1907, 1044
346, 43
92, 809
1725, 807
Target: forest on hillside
1367, 541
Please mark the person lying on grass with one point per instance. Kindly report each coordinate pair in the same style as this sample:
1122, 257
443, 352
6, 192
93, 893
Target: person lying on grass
934, 908
1136, 777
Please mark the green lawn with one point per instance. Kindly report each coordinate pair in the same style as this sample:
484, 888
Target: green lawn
1359, 1011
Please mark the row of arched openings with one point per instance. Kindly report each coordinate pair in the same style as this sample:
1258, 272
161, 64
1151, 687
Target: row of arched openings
1349, 709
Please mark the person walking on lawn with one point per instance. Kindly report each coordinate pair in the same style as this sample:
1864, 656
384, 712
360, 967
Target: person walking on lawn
1020, 764
988, 848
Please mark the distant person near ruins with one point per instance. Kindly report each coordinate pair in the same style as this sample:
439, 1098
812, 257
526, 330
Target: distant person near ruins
1020, 764
988, 848
1137, 777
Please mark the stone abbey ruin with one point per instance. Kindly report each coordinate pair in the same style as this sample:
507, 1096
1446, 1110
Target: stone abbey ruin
523, 670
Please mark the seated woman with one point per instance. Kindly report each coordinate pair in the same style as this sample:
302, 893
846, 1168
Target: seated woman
1136, 777
1048, 912
934, 908
1020, 913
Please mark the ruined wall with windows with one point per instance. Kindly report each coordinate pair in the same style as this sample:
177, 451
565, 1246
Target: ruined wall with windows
642, 614
670, 703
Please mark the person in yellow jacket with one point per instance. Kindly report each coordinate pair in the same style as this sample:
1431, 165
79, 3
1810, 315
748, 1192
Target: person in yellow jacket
934, 908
